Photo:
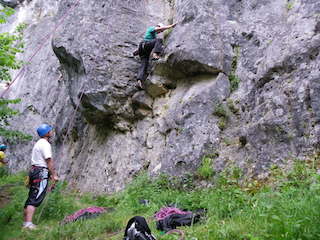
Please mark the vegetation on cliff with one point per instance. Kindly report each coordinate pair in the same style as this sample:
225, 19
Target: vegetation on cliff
10, 45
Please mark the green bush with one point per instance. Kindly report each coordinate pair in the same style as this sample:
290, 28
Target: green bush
234, 82
205, 171
222, 124
233, 78
220, 111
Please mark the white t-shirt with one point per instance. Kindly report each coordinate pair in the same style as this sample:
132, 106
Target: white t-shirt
40, 152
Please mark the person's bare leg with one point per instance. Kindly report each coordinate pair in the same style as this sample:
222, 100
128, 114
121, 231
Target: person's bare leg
28, 213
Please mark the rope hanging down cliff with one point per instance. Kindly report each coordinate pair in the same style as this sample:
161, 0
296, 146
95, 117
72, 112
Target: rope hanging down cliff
41, 45
63, 143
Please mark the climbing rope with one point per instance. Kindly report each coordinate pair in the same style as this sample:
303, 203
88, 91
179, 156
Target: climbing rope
71, 122
51, 188
179, 231
41, 45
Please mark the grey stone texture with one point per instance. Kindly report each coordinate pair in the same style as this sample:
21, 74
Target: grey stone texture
83, 82
9, 3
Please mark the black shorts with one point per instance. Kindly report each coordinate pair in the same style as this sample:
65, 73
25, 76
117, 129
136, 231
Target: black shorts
38, 177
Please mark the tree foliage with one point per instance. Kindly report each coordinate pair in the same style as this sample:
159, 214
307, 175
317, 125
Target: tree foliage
10, 45
5, 13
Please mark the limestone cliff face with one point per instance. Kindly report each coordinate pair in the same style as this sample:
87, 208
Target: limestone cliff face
190, 108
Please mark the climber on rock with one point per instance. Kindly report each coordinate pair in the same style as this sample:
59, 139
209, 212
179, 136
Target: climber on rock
150, 44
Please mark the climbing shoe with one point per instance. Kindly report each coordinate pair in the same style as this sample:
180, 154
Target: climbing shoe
139, 84
155, 57
29, 226
136, 52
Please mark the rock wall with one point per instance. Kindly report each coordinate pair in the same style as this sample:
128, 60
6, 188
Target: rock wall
191, 106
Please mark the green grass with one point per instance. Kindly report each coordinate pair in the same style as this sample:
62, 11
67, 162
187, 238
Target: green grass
284, 206
205, 171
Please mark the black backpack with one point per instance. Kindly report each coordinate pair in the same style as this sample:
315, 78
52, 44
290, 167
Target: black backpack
138, 229
176, 220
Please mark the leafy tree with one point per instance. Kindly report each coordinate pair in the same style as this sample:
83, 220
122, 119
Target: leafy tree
5, 13
10, 45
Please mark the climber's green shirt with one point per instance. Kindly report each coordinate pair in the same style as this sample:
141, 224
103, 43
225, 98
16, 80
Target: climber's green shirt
150, 34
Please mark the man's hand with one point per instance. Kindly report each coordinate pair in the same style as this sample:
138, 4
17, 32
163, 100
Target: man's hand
161, 29
54, 178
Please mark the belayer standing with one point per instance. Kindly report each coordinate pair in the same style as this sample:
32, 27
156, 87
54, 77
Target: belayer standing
150, 43
2, 154
42, 168
3, 162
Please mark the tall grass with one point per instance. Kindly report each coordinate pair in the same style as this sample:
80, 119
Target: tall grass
285, 206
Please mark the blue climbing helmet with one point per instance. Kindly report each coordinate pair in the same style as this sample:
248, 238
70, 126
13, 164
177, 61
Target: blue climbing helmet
43, 129
3, 147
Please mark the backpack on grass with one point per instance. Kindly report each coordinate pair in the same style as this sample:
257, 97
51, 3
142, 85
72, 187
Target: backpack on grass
138, 229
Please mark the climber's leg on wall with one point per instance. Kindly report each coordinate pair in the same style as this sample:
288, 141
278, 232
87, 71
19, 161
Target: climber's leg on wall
155, 45
145, 49
142, 72
158, 48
